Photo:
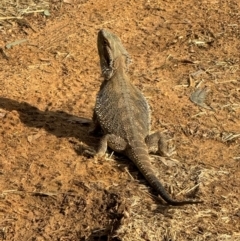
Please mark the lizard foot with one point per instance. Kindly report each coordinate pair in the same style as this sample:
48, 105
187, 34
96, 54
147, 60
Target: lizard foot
89, 153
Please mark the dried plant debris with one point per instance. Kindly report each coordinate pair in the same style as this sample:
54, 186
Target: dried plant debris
198, 97
3, 54
79, 120
17, 9
17, 42
23, 23
229, 136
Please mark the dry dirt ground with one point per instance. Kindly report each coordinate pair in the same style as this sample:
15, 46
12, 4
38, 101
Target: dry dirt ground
49, 190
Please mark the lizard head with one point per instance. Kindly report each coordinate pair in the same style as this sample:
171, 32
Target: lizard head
110, 49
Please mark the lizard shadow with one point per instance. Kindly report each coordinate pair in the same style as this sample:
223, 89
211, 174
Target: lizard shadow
63, 124
58, 123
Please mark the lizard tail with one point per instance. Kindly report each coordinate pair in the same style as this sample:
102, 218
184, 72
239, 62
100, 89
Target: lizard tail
142, 161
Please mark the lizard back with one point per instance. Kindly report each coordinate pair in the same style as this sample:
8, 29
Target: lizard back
118, 105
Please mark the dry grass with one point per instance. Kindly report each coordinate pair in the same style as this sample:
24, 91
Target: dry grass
16, 9
147, 221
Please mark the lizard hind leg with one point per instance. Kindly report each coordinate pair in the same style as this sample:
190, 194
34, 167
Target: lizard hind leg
116, 143
157, 143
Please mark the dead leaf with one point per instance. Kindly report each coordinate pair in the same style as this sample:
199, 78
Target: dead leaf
32, 138
198, 97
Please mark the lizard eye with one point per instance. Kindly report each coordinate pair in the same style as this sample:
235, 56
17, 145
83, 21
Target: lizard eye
105, 42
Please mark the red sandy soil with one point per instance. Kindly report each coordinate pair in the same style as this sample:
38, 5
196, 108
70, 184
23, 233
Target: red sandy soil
50, 191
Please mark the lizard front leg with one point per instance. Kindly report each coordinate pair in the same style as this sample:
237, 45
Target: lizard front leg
95, 129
